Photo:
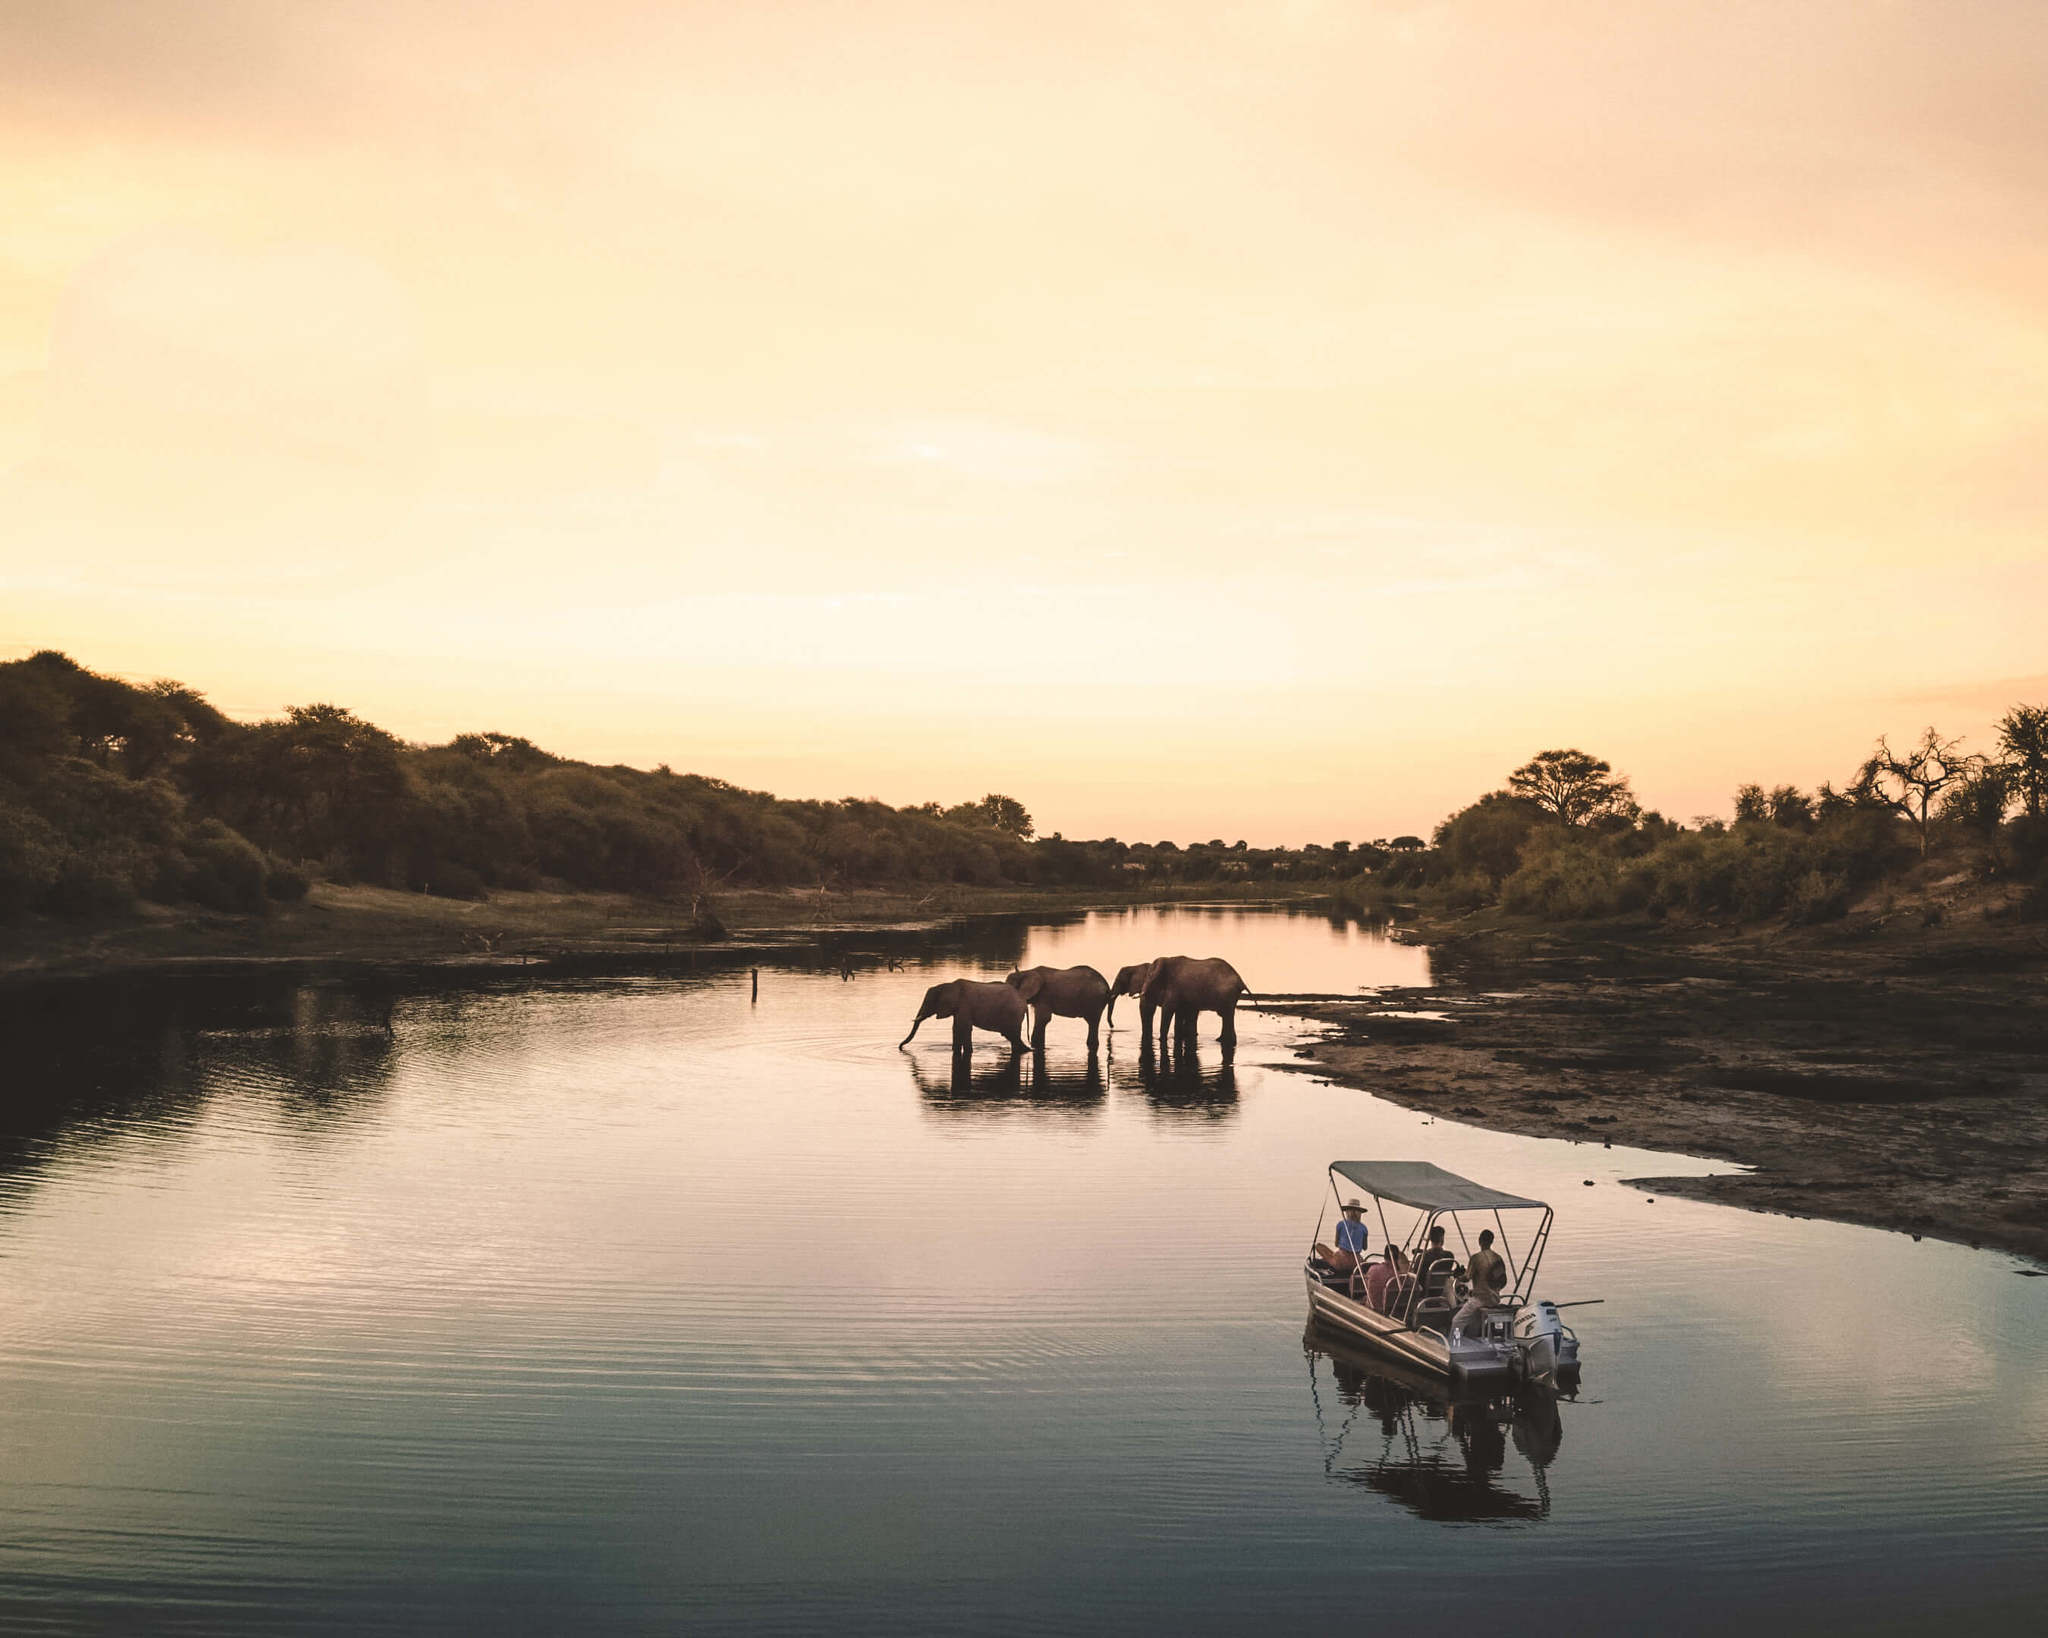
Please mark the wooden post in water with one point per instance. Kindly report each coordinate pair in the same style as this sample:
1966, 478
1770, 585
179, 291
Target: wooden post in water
757, 985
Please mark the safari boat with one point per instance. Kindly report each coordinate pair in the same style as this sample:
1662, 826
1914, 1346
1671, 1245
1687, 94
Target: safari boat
1517, 1337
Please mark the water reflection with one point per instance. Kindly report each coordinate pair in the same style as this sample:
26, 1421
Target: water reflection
999, 1086
1439, 1449
1179, 1085
318, 1325
92, 1063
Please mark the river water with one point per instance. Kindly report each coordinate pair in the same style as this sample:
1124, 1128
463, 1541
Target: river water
649, 1305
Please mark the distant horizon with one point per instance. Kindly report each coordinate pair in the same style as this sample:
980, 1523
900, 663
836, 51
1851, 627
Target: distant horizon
1045, 825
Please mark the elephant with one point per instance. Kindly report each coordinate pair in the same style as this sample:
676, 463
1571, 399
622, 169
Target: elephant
1180, 987
1062, 992
1131, 981
972, 1006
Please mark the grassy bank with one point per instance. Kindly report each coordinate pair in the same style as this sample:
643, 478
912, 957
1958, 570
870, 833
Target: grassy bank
375, 925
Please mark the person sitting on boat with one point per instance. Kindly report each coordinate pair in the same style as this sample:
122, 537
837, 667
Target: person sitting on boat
1389, 1281
1349, 1251
1433, 1262
1487, 1275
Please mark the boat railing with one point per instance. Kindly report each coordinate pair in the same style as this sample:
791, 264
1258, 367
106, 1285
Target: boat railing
1437, 1297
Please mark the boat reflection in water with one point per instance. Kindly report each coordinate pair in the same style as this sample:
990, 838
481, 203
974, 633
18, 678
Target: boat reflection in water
1437, 1447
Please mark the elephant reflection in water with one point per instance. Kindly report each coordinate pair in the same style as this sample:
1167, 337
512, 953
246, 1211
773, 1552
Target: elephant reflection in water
961, 1078
1006, 1084
1176, 1080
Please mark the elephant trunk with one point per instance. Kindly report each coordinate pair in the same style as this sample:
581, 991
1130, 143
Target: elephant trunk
915, 1024
1109, 1013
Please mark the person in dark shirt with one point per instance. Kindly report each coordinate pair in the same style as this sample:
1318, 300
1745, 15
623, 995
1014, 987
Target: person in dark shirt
1433, 1260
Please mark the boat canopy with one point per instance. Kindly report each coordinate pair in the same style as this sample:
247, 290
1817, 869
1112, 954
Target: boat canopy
1427, 1188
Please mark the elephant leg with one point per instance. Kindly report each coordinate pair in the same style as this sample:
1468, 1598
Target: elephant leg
1229, 1035
1094, 1030
1040, 1017
963, 1035
1184, 1027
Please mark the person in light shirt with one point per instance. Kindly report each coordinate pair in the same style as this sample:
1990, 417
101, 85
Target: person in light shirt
1349, 1250
1487, 1274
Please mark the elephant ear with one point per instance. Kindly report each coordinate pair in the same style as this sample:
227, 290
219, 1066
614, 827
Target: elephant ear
1029, 985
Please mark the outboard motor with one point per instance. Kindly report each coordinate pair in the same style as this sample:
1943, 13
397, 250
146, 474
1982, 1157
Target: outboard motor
1545, 1342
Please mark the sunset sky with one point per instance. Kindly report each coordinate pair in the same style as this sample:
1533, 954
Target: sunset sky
1269, 421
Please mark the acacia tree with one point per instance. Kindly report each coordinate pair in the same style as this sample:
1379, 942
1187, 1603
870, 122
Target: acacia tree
1572, 787
2023, 737
1005, 813
1912, 782
1978, 804
1790, 807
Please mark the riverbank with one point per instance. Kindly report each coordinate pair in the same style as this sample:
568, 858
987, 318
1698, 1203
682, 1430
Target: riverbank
365, 931
1877, 1071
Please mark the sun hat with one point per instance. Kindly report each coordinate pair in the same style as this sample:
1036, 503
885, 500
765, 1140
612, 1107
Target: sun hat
1355, 1206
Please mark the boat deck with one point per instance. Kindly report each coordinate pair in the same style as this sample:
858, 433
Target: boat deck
1415, 1344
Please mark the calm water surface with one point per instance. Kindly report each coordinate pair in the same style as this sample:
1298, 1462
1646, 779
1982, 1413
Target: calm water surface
645, 1306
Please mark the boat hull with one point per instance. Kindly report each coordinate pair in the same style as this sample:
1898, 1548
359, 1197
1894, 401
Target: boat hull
1470, 1359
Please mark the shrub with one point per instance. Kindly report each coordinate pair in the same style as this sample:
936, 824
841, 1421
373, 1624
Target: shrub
1564, 880
1468, 890
1488, 836
1821, 896
223, 871
96, 883
31, 857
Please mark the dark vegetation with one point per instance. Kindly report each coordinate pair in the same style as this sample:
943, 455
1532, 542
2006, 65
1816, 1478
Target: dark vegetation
1566, 839
112, 793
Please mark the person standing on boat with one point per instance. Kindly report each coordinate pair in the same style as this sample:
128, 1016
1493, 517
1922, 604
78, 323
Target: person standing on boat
1350, 1247
1487, 1273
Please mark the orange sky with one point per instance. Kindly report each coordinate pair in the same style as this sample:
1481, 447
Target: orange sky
1248, 420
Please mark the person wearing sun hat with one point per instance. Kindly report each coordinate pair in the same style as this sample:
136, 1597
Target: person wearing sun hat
1349, 1250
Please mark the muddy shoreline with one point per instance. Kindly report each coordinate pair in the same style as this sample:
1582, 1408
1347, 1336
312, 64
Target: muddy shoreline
1891, 1077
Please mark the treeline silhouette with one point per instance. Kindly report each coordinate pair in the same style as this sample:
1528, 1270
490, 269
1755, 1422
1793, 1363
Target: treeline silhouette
1566, 839
112, 792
